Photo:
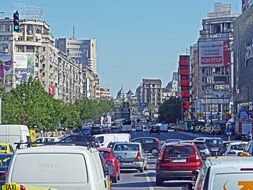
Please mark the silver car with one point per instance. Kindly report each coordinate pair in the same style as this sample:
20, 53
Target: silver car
131, 156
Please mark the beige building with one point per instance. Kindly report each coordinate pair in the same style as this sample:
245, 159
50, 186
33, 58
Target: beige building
91, 87
105, 94
31, 52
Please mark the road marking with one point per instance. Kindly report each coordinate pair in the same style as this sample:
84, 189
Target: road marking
149, 182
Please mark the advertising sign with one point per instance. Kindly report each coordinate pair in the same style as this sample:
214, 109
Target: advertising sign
6, 70
214, 53
24, 67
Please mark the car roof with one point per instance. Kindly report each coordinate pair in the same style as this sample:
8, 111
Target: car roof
229, 161
208, 138
178, 143
56, 149
127, 143
105, 149
144, 138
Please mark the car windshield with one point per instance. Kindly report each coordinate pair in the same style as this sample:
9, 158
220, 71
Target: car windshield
213, 142
200, 146
126, 147
5, 159
174, 151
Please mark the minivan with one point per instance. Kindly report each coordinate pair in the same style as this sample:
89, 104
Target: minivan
61, 167
226, 173
105, 139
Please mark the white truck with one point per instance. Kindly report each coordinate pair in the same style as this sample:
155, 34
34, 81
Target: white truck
13, 133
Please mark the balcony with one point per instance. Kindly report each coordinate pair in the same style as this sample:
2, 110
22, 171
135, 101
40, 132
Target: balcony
184, 72
185, 83
185, 93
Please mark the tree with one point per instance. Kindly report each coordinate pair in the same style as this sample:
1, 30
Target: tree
170, 110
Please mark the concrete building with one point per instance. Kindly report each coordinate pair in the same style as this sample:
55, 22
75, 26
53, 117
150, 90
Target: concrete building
91, 88
150, 93
213, 93
82, 51
105, 94
31, 52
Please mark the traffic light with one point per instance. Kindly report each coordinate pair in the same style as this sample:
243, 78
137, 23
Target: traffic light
16, 21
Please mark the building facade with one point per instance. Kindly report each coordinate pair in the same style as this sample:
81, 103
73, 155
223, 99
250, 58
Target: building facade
31, 52
214, 52
150, 93
82, 51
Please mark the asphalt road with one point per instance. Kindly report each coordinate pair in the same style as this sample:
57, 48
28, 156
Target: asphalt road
146, 181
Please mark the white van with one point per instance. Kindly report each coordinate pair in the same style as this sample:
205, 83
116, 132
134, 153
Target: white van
60, 167
14, 134
105, 139
231, 173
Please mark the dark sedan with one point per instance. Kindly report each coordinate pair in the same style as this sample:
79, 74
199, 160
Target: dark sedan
149, 144
155, 129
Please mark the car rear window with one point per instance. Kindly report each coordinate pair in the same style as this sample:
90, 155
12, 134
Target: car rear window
101, 139
200, 146
175, 151
105, 154
216, 142
235, 180
49, 168
126, 147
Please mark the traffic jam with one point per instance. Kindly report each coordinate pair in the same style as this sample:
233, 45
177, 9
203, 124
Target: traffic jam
96, 159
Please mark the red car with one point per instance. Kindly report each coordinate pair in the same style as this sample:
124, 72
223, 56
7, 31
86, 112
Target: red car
178, 161
111, 159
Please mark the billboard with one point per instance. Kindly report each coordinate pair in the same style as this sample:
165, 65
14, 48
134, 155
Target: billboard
6, 71
214, 53
23, 66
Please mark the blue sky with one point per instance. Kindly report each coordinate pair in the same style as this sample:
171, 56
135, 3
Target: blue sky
136, 39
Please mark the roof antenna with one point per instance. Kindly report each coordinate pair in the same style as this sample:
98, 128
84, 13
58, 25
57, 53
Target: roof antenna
73, 32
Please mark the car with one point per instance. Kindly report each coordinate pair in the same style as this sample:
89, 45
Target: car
6, 148
225, 173
105, 129
111, 159
4, 164
105, 139
248, 150
213, 143
60, 167
79, 139
46, 140
178, 161
154, 129
96, 130
131, 156
235, 148
149, 144
11, 186
139, 127
164, 127
172, 140
201, 146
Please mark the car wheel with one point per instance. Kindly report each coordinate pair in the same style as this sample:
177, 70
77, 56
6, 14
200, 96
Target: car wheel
114, 179
158, 181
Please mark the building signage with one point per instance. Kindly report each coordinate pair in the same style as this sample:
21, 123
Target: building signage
214, 53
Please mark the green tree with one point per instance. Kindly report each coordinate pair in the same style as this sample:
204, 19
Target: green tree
170, 110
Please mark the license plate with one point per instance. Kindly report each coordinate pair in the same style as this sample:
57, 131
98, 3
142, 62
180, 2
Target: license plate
126, 164
214, 149
179, 160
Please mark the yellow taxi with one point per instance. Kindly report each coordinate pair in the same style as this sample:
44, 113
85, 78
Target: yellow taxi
15, 186
6, 148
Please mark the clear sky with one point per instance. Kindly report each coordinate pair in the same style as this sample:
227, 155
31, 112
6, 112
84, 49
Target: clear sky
136, 39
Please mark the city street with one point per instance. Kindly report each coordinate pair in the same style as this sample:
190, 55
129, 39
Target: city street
146, 181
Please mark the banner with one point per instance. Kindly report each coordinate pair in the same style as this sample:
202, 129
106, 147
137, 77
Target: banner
24, 67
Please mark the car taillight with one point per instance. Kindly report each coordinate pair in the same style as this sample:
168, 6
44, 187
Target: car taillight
138, 156
22, 187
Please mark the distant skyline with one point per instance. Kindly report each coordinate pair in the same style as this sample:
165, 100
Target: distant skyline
136, 39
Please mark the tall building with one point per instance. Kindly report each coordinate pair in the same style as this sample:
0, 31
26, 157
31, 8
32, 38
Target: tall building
214, 50
184, 82
243, 62
82, 51
31, 52
150, 93
172, 87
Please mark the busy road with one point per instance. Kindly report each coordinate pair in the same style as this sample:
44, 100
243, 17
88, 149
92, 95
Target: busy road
146, 180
